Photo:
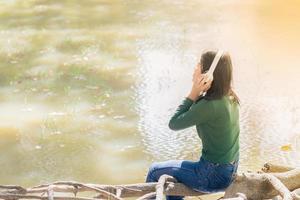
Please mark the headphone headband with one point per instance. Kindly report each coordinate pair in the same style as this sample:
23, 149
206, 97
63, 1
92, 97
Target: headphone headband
213, 66
215, 63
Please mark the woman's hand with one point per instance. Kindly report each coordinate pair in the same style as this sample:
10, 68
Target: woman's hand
201, 83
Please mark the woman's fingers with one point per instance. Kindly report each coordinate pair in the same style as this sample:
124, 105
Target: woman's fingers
207, 85
204, 83
197, 73
200, 79
205, 78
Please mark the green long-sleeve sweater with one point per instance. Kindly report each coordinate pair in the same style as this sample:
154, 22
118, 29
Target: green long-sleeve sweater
217, 124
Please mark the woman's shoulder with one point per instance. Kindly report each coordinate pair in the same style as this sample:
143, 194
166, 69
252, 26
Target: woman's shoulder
204, 104
217, 103
202, 101
209, 100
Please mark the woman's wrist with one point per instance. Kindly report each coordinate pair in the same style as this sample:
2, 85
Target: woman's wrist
193, 96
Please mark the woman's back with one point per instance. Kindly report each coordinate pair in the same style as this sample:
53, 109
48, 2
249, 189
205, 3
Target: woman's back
220, 133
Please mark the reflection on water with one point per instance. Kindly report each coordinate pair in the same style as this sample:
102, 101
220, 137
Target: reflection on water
66, 92
87, 89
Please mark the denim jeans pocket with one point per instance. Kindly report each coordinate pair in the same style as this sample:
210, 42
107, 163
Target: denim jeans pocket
214, 177
221, 176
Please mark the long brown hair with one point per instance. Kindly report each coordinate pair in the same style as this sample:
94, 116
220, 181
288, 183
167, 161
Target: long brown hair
222, 82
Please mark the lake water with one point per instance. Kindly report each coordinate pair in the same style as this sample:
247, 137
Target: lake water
87, 87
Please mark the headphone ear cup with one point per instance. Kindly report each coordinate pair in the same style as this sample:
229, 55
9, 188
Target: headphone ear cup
209, 78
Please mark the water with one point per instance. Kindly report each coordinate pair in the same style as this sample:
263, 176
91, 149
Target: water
88, 87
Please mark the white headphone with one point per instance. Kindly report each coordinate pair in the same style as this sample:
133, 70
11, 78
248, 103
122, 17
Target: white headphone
213, 66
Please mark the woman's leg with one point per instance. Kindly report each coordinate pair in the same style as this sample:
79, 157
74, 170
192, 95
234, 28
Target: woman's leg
184, 171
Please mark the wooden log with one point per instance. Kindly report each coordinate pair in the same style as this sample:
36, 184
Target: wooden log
258, 186
245, 186
272, 167
128, 190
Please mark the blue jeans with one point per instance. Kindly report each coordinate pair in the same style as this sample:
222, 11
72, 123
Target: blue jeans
202, 176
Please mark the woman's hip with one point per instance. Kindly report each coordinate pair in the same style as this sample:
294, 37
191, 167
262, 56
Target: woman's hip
219, 176
201, 175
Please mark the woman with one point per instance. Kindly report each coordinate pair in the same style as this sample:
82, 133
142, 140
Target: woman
215, 113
